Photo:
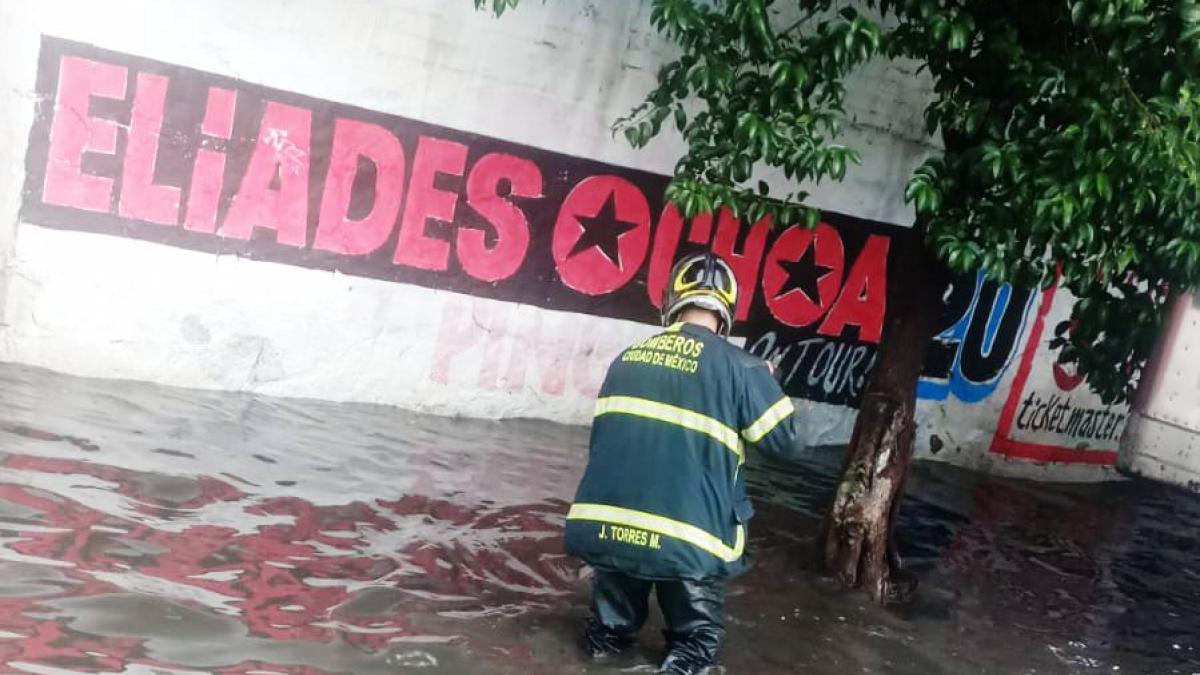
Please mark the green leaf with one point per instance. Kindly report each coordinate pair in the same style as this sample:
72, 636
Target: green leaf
781, 73
1127, 257
812, 218
631, 135
800, 74
974, 117
1103, 187
1077, 10
958, 37
993, 158
741, 169
762, 25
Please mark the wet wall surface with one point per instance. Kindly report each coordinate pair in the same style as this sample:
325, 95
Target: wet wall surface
146, 529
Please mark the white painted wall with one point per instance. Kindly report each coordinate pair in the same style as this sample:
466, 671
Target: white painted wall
552, 76
1163, 439
977, 436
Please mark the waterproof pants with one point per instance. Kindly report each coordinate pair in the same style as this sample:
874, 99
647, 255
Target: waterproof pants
694, 613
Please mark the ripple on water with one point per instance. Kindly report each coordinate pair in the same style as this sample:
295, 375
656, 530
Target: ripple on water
144, 527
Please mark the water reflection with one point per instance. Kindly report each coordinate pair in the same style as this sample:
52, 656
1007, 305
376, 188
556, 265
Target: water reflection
147, 529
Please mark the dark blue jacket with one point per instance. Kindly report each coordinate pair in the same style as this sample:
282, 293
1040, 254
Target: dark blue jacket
664, 493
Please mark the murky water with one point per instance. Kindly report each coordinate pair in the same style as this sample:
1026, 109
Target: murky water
154, 530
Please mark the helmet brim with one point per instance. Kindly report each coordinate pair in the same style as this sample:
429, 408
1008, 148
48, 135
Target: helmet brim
705, 301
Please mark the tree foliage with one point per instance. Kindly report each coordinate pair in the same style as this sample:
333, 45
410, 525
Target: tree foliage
769, 95
1070, 129
1071, 144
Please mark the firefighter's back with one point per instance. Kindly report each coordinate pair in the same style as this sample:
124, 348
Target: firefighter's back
663, 496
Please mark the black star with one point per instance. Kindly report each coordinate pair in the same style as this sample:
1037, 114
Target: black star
804, 274
603, 230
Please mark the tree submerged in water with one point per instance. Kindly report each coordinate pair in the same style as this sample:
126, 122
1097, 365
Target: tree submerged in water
1070, 154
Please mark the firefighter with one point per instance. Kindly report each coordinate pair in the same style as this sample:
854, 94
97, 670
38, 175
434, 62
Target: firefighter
662, 504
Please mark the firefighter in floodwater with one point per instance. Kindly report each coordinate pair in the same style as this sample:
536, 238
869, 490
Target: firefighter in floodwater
662, 504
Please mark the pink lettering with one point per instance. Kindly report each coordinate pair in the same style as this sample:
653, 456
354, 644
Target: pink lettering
338, 232
74, 132
141, 198
747, 263
281, 156
208, 172
457, 333
415, 247
504, 258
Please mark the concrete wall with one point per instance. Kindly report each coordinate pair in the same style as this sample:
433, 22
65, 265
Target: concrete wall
552, 77
1163, 438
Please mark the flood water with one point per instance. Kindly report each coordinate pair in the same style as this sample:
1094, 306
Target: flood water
146, 529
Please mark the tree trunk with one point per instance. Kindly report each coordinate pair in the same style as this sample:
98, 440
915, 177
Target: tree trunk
858, 545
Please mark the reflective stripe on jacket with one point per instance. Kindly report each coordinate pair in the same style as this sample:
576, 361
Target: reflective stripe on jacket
663, 494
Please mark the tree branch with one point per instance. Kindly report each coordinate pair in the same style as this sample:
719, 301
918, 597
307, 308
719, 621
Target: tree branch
801, 21
1128, 88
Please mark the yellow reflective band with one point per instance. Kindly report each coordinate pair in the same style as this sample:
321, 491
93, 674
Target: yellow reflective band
602, 513
711, 292
681, 417
768, 420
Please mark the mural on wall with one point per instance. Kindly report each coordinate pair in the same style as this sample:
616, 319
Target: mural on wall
126, 146
983, 322
1050, 415
519, 350
136, 148
971, 354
